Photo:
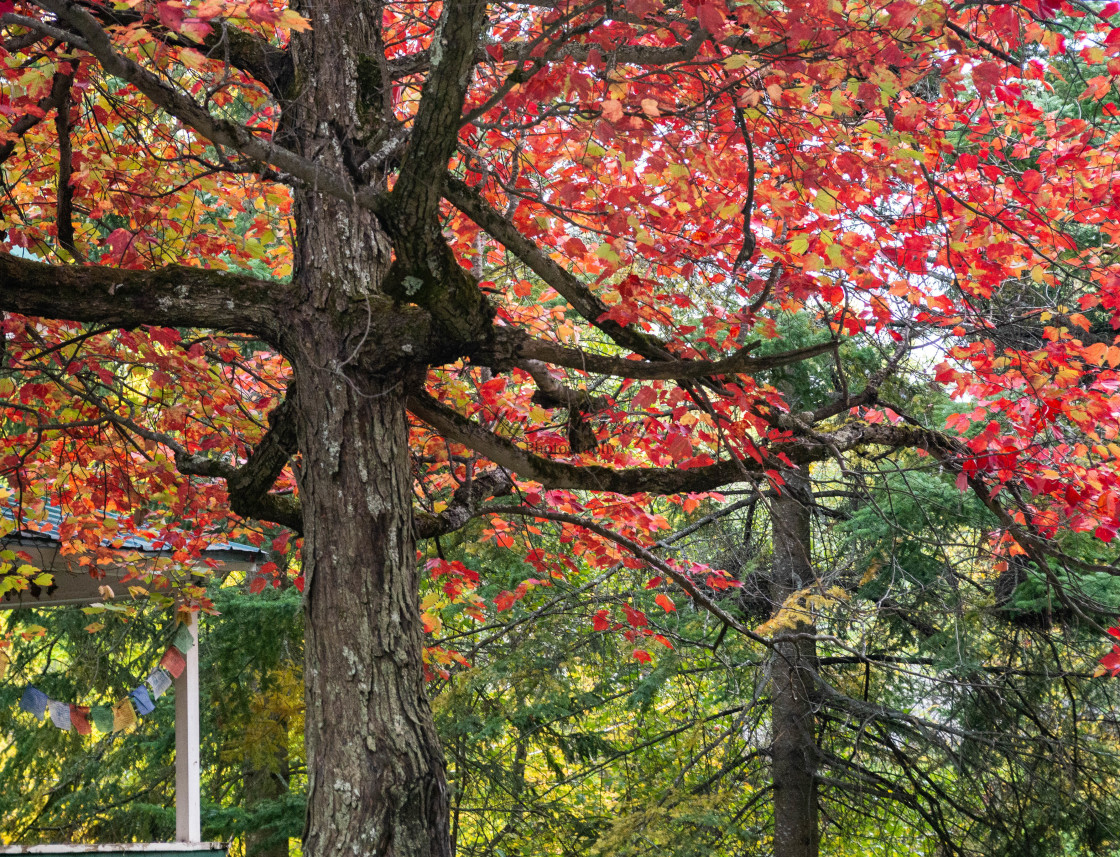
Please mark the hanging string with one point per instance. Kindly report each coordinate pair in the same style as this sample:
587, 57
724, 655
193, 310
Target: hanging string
122, 715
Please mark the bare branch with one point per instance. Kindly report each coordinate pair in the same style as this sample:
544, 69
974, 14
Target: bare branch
642, 553
491, 483
646, 370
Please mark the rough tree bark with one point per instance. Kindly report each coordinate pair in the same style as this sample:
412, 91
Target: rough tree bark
377, 780
793, 666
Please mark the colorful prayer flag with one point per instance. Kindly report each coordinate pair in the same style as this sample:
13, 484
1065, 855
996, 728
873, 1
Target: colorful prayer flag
183, 639
124, 715
142, 701
60, 715
173, 661
159, 681
101, 716
34, 701
79, 716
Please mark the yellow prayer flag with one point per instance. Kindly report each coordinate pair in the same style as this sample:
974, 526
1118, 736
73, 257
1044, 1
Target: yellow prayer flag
124, 715
4, 661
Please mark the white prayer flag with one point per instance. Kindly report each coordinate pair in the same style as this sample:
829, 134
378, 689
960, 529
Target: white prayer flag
159, 681
60, 715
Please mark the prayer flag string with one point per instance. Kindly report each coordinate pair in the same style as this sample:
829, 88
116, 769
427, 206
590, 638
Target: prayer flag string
125, 713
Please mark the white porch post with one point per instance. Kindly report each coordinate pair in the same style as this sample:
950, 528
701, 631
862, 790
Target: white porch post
188, 795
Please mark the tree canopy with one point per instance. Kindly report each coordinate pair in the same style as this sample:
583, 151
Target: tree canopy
351, 276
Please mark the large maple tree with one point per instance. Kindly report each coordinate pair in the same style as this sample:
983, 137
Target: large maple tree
357, 269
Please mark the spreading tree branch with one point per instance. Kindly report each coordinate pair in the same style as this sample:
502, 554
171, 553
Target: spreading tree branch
175, 296
556, 474
87, 34
469, 201
666, 370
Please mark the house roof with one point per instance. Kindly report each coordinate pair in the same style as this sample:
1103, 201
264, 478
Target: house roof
39, 539
49, 524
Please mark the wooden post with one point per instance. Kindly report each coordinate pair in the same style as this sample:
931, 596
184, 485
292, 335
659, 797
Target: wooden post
188, 792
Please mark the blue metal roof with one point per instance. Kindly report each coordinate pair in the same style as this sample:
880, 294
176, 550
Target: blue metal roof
50, 525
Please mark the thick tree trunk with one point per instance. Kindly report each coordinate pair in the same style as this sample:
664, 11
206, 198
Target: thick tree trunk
376, 773
377, 783
793, 748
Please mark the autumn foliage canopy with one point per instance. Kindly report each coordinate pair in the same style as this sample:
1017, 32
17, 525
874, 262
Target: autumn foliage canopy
565, 239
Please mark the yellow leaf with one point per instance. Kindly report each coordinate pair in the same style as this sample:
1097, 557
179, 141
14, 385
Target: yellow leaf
870, 574
192, 59
294, 21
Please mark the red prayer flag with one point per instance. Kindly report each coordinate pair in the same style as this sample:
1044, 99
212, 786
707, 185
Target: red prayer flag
174, 662
79, 716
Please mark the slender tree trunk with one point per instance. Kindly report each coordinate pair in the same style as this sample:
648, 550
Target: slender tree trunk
793, 748
262, 784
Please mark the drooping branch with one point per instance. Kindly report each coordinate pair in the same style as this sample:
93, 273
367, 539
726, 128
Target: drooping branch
653, 561
265, 62
175, 296
249, 485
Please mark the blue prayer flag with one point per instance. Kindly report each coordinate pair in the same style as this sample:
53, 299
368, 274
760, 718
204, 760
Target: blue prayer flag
142, 701
34, 701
